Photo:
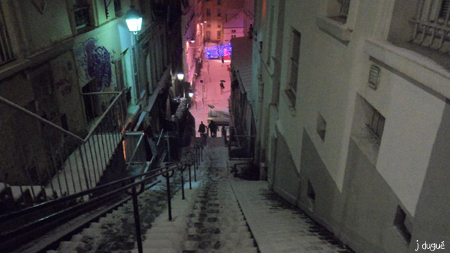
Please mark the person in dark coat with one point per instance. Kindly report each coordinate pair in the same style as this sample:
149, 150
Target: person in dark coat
221, 87
201, 128
213, 127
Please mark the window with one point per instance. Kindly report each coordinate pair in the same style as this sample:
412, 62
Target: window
291, 90
219, 2
321, 127
233, 31
269, 40
367, 128
6, 53
219, 12
403, 225
233, 36
208, 12
82, 18
208, 25
219, 35
376, 125
334, 21
311, 195
117, 5
338, 10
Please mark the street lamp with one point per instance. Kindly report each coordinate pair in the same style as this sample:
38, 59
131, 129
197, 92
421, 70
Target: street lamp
134, 20
180, 76
191, 93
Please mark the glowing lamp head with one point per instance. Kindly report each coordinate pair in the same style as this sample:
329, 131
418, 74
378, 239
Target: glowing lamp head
180, 76
134, 20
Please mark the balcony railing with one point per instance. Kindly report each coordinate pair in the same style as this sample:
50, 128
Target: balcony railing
431, 25
43, 161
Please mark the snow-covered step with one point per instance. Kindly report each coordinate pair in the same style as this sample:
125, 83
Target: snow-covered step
68, 246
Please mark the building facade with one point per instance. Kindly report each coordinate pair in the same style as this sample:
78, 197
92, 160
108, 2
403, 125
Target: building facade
352, 115
60, 62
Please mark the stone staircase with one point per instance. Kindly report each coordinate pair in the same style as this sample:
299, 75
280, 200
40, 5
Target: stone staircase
116, 231
216, 223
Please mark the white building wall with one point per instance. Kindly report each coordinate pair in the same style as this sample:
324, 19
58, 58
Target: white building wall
335, 59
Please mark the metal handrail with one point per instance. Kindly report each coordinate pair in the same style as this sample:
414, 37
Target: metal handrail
75, 196
85, 157
135, 150
113, 103
10, 238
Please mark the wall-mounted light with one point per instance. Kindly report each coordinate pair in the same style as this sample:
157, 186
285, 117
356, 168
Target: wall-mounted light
134, 20
191, 93
180, 76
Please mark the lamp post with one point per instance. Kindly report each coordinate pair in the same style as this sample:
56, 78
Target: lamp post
134, 20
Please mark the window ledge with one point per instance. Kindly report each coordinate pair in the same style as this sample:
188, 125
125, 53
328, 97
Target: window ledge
368, 145
340, 31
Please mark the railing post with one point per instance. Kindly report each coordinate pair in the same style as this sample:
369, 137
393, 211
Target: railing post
181, 168
169, 204
168, 147
194, 158
137, 222
134, 195
190, 181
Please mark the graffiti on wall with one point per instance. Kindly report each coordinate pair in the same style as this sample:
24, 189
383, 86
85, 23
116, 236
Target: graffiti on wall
94, 61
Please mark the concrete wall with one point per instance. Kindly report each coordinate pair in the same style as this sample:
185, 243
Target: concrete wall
45, 26
431, 217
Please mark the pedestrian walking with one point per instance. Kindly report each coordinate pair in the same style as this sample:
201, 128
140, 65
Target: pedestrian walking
213, 127
201, 129
221, 87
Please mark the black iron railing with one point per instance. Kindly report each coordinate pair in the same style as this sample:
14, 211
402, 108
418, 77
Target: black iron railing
20, 227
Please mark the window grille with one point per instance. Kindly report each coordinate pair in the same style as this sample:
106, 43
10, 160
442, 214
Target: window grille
6, 53
432, 26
